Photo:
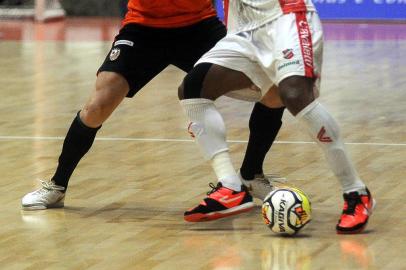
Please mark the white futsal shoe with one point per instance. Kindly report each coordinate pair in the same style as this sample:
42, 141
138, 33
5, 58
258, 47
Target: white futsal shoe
262, 184
48, 196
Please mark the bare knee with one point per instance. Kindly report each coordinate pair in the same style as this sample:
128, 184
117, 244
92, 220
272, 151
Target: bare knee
272, 99
94, 113
110, 90
296, 93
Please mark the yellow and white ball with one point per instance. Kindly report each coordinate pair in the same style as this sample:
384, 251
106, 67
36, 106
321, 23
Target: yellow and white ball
286, 210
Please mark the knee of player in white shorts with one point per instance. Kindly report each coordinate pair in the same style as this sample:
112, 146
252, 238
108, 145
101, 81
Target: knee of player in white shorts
296, 92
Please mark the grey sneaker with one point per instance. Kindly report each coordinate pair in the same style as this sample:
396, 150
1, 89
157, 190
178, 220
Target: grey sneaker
262, 184
48, 196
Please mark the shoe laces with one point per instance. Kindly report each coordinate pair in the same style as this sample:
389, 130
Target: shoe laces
352, 199
214, 188
48, 186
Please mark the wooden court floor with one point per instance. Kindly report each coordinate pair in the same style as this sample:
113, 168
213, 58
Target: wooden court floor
124, 207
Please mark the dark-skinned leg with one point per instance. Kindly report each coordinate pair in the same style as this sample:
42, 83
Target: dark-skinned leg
199, 89
297, 94
206, 123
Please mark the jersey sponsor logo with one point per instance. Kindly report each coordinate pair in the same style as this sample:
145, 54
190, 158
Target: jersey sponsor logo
114, 54
288, 53
321, 137
286, 64
124, 42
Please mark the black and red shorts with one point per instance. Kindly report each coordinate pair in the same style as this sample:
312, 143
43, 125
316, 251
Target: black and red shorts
139, 53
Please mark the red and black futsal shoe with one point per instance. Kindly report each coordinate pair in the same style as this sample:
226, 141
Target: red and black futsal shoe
357, 209
220, 202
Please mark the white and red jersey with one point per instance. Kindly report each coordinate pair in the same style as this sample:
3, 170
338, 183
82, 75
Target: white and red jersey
244, 15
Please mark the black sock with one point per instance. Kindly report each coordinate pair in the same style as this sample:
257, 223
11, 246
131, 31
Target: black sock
76, 144
264, 125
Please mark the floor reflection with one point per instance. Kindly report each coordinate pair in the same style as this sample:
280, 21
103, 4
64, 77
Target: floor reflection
355, 252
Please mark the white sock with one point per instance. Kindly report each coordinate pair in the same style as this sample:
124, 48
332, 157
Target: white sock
325, 131
206, 126
225, 171
209, 131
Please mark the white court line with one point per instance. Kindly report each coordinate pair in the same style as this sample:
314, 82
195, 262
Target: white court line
46, 138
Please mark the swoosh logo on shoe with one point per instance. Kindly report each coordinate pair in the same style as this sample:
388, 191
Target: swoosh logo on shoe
224, 199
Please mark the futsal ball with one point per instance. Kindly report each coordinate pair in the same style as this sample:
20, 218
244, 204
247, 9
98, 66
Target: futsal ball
286, 210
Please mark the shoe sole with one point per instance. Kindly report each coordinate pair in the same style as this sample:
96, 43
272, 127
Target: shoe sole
199, 217
33, 207
362, 228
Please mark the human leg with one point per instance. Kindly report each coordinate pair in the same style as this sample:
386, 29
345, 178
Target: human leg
297, 38
126, 69
297, 95
111, 88
200, 88
197, 93
242, 79
264, 125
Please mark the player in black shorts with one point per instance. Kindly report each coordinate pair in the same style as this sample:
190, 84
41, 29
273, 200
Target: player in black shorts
137, 55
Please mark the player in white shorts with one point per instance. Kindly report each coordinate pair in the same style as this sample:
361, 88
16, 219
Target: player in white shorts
273, 49
268, 59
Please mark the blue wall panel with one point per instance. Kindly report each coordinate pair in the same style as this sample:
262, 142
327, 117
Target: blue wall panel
362, 9
354, 9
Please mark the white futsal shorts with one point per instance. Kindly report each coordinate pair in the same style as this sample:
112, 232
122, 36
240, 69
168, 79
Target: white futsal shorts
290, 45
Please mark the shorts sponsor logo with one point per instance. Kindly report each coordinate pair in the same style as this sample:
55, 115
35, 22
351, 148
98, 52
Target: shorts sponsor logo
288, 53
114, 54
286, 64
304, 35
124, 42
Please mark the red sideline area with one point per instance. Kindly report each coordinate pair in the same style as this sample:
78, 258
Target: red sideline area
68, 29
104, 29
